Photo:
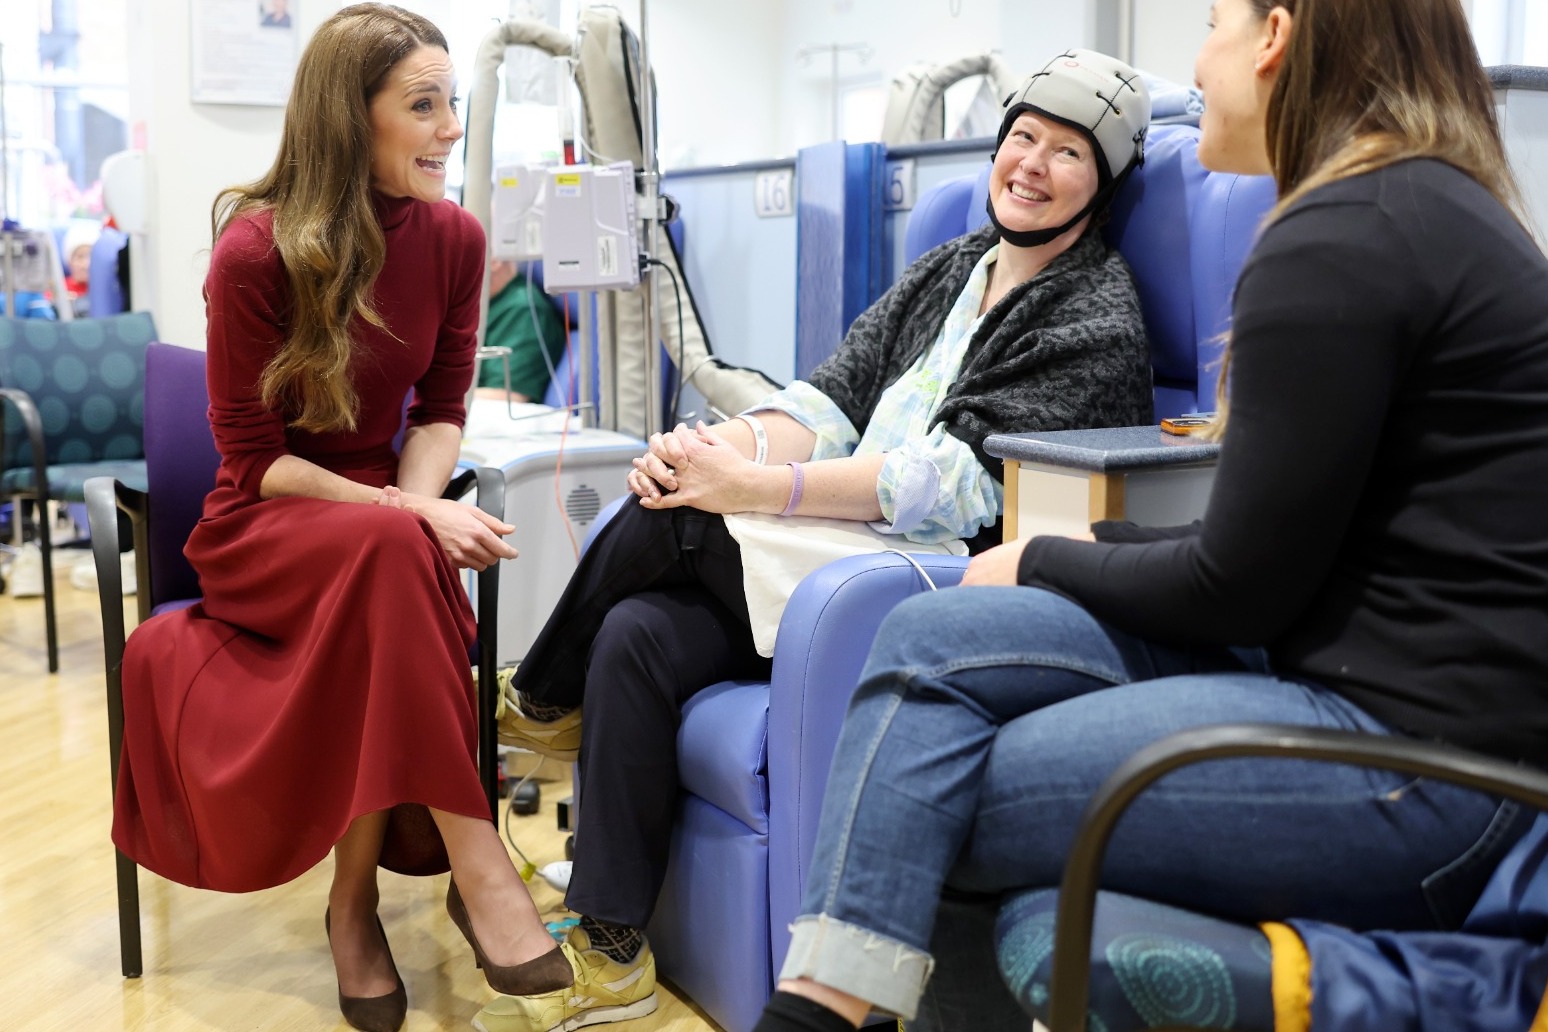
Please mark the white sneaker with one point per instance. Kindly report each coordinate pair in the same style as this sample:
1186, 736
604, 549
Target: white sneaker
83, 576
26, 577
559, 738
604, 991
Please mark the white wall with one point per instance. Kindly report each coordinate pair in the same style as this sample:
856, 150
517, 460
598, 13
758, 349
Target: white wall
193, 151
1024, 32
1167, 35
717, 78
1523, 118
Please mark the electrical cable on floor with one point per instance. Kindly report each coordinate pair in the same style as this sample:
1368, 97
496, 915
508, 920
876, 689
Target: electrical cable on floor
528, 868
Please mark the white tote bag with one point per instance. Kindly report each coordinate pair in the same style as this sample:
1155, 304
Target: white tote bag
777, 551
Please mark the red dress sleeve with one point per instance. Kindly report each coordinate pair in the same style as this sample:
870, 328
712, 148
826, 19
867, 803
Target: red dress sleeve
245, 296
440, 395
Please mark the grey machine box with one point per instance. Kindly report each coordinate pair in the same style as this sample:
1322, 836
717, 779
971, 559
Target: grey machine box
556, 481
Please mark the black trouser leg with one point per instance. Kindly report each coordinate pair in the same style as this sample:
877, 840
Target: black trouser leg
637, 550
655, 650
966, 990
655, 612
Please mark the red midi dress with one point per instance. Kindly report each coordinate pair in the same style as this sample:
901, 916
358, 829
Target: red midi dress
325, 674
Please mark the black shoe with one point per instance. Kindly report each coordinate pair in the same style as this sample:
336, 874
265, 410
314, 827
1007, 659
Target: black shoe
374, 1013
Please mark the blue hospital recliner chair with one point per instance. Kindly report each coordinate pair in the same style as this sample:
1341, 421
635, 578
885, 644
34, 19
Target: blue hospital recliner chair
754, 756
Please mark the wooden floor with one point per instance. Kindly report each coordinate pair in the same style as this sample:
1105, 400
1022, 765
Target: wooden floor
212, 961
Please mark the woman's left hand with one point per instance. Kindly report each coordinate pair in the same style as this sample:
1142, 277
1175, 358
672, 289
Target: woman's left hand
1001, 565
997, 566
471, 537
707, 473
656, 470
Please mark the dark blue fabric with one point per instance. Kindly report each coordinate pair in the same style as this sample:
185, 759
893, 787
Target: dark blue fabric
840, 267
1489, 975
1152, 966
68, 483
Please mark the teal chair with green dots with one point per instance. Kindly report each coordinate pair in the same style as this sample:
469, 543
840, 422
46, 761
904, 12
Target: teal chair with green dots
74, 407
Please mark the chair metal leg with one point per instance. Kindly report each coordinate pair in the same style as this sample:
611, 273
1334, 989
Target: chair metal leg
46, 546
128, 915
488, 745
33, 423
491, 499
102, 504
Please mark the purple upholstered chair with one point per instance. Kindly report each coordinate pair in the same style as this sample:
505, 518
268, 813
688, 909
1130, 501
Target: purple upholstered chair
72, 396
180, 465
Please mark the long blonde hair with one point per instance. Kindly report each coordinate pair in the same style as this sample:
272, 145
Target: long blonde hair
325, 227
1368, 83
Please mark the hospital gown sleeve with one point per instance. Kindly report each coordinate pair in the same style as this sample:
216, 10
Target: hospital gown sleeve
836, 435
934, 489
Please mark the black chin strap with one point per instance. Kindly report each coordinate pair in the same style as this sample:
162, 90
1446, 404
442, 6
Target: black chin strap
1039, 237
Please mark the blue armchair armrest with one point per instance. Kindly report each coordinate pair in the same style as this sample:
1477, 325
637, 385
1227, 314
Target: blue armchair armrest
824, 638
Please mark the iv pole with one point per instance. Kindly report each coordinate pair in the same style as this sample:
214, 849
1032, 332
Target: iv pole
650, 203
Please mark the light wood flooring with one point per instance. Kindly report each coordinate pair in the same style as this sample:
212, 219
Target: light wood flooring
212, 961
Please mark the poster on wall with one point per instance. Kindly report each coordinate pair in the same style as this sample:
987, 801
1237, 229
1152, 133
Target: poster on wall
244, 51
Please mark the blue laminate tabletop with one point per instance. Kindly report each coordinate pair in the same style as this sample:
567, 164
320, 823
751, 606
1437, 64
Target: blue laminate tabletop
1111, 450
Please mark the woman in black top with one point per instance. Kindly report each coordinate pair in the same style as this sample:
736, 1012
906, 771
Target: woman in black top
1374, 557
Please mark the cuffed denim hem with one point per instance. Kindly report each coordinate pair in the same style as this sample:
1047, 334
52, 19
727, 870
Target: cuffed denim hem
882, 971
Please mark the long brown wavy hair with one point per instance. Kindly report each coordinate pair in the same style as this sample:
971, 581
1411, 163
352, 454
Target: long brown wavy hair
325, 227
1368, 83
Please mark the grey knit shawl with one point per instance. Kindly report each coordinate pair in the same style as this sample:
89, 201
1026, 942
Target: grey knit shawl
1065, 350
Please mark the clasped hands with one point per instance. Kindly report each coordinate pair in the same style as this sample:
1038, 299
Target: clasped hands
695, 466
471, 537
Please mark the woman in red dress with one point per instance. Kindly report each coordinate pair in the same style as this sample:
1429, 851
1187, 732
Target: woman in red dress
320, 696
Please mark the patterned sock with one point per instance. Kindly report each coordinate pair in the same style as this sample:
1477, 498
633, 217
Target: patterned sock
539, 712
787, 1012
614, 941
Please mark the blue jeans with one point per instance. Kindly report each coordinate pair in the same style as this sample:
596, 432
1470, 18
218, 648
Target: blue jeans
985, 719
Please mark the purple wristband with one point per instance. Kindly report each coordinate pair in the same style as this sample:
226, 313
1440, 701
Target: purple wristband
796, 485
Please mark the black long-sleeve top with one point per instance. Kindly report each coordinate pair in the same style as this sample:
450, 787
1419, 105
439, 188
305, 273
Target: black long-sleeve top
1379, 519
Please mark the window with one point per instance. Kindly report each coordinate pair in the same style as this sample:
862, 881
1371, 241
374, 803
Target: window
1511, 31
65, 73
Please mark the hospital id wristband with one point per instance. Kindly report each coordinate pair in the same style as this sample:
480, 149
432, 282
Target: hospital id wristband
797, 483
760, 436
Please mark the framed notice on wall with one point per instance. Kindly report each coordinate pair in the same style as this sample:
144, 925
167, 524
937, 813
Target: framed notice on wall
244, 51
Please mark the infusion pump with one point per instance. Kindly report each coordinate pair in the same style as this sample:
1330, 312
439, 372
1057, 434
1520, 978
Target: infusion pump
580, 220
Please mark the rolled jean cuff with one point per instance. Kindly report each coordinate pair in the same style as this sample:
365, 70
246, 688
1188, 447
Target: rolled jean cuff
884, 972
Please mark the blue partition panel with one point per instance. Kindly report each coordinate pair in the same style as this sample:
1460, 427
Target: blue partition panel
841, 264
934, 163
740, 267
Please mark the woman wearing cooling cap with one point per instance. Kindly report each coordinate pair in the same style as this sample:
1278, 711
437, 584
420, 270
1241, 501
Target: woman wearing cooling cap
1031, 323
1378, 568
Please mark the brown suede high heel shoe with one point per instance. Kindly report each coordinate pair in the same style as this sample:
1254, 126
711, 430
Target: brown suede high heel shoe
539, 975
373, 1013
